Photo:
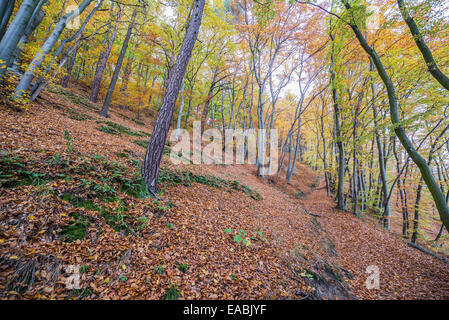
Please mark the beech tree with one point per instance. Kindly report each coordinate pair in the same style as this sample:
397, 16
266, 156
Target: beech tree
105, 53
437, 194
118, 65
6, 9
16, 29
22, 88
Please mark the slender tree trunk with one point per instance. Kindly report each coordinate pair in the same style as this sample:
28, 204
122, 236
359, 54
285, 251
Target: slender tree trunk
362, 187
355, 189
291, 170
405, 214
181, 107
421, 44
341, 152
65, 80
102, 61
440, 233
416, 214
326, 172
380, 152
153, 156
118, 65
208, 99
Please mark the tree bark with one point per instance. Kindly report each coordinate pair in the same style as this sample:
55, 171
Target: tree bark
118, 65
210, 95
380, 152
101, 65
11, 38
6, 10
33, 23
341, 151
65, 80
25, 81
421, 44
153, 156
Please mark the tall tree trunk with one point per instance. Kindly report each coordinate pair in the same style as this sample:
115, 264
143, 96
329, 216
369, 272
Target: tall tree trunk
416, 213
355, 182
6, 9
294, 159
65, 80
102, 61
181, 107
403, 195
118, 65
325, 165
153, 156
380, 152
341, 151
210, 95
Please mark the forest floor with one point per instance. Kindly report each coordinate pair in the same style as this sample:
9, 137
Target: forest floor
71, 195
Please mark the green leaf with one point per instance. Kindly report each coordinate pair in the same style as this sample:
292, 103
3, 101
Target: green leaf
238, 238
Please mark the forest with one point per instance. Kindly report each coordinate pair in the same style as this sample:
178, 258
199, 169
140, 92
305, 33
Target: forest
224, 149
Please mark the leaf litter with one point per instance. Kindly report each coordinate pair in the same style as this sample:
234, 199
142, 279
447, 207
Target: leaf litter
70, 194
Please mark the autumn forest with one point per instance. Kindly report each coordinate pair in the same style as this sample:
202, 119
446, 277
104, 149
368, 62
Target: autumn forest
224, 149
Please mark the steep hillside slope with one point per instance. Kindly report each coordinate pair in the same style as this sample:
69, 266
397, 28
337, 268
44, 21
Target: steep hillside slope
71, 196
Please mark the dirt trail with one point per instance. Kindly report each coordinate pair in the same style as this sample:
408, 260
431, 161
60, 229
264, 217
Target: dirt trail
340, 239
